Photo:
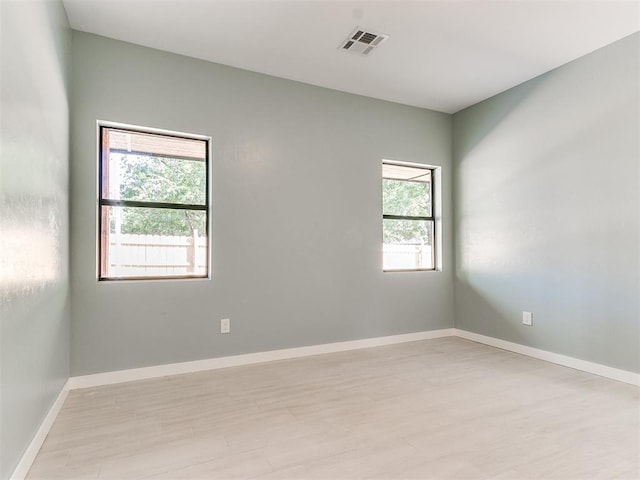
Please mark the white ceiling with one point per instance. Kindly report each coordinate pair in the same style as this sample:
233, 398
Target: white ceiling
442, 55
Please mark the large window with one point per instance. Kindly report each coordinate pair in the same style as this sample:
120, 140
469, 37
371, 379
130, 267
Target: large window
408, 222
153, 205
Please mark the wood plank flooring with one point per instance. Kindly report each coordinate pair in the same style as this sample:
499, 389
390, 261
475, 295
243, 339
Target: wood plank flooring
435, 409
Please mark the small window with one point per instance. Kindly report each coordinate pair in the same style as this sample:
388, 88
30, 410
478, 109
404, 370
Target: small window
408, 225
153, 205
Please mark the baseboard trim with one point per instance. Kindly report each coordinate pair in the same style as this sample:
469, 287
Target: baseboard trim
156, 371
22, 469
564, 360
108, 378
120, 376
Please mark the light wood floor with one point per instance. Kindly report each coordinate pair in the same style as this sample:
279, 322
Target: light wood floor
434, 409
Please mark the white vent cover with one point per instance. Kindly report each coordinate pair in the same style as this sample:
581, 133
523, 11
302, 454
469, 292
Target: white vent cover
362, 41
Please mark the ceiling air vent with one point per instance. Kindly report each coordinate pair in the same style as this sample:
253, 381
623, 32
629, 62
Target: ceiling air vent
362, 41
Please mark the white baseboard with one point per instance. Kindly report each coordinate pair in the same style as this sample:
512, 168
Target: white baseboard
22, 469
108, 378
120, 376
571, 362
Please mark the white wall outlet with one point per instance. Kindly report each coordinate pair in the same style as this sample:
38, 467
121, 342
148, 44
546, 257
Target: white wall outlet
225, 325
527, 318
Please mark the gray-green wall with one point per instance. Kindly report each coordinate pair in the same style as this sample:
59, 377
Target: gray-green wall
547, 210
547, 213
34, 313
296, 213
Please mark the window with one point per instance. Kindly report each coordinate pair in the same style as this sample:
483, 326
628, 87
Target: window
153, 205
408, 222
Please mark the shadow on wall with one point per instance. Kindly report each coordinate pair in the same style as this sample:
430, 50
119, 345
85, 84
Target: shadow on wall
493, 316
493, 114
541, 173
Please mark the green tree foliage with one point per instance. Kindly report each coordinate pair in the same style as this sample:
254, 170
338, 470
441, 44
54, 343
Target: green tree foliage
410, 199
157, 179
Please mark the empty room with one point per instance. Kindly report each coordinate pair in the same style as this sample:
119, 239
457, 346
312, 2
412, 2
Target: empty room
291, 239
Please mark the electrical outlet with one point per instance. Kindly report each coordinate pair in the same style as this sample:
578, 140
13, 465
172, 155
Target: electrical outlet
225, 325
527, 318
